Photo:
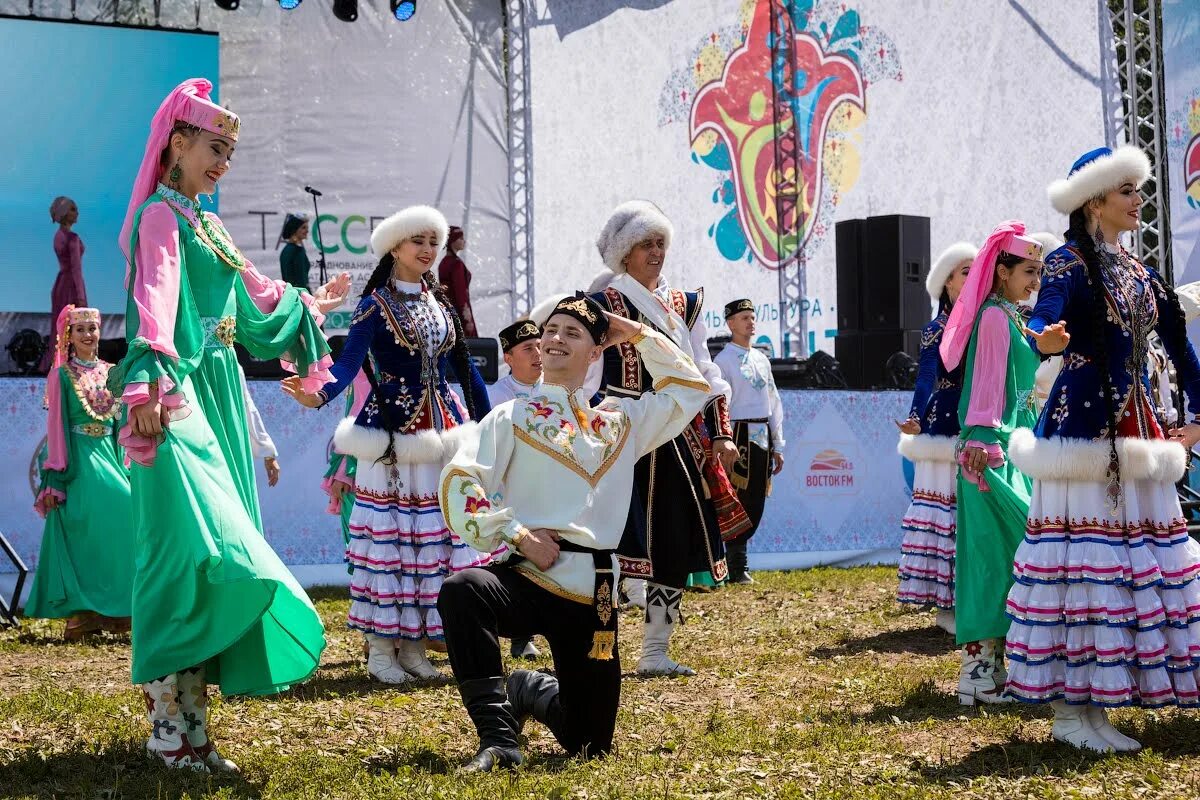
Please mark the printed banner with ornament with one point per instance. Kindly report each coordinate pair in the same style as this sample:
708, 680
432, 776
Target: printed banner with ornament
756, 125
1181, 65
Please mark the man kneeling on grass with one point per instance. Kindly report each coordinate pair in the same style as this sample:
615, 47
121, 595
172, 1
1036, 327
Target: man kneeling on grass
552, 478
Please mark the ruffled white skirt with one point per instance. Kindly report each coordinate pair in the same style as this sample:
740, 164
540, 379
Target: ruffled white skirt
927, 549
1106, 607
400, 551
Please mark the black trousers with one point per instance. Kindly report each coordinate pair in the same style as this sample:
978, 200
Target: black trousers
481, 604
756, 463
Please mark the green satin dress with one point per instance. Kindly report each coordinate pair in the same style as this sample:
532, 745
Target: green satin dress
86, 558
208, 588
991, 524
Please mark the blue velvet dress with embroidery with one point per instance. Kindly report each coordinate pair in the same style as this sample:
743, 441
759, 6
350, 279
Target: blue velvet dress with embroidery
928, 529
935, 398
400, 548
1105, 608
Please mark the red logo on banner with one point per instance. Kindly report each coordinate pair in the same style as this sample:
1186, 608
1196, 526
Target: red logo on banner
830, 469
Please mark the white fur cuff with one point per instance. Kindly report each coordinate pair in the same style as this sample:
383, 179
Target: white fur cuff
923, 447
423, 447
1087, 459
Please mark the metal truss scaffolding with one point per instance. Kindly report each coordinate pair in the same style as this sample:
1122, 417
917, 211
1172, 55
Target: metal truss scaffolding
1137, 29
520, 155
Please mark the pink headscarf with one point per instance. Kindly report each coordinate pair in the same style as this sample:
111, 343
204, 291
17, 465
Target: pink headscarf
1008, 237
56, 440
188, 102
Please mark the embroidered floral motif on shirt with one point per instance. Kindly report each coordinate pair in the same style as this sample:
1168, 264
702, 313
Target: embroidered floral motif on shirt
549, 428
1058, 264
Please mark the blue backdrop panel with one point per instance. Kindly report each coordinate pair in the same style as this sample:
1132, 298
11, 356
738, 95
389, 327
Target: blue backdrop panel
79, 99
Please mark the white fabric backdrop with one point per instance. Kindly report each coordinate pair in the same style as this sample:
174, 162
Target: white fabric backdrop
970, 110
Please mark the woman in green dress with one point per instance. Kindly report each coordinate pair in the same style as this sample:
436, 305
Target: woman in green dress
211, 599
85, 567
986, 327
293, 260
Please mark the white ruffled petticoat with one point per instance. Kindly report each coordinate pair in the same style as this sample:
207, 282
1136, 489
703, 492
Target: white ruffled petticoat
1106, 607
401, 551
927, 549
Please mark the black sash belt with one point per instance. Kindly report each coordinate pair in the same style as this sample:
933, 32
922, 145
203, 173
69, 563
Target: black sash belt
605, 637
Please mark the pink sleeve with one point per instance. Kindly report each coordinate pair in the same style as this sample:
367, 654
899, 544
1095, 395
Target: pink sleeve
267, 293
989, 373
362, 388
156, 280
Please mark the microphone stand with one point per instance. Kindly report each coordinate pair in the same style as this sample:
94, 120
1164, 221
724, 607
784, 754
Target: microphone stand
322, 271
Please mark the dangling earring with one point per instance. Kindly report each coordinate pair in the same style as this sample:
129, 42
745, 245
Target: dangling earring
175, 176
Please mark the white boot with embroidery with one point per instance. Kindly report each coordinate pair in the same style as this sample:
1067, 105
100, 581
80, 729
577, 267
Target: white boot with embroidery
193, 700
662, 613
168, 739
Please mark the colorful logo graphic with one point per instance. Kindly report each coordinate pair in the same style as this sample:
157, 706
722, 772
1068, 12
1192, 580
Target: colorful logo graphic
1184, 134
830, 469
773, 105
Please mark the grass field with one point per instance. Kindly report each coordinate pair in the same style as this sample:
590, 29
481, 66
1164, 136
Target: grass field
811, 684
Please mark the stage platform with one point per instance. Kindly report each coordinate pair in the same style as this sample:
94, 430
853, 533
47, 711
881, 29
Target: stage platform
838, 500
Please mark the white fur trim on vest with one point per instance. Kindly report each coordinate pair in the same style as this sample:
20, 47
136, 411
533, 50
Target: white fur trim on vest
950, 258
602, 281
425, 447
406, 224
1127, 163
923, 447
1087, 459
630, 223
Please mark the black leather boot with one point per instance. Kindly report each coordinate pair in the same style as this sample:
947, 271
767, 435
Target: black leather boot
739, 571
535, 694
487, 705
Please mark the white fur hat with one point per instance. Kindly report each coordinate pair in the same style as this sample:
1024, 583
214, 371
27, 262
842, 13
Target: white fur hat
1096, 172
1048, 241
630, 223
950, 258
406, 224
1189, 300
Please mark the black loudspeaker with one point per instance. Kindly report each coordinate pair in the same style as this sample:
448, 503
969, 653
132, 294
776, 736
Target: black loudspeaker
485, 354
863, 355
848, 236
112, 350
894, 262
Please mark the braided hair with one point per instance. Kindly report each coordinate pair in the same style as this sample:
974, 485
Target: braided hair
460, 354
1077, 233
381, 275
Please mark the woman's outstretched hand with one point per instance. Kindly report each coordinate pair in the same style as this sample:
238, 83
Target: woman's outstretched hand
332, 294
1052, 340
292, 386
